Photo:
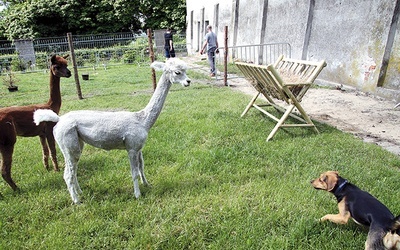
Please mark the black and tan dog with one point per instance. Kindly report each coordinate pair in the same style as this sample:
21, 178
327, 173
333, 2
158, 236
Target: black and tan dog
364, 209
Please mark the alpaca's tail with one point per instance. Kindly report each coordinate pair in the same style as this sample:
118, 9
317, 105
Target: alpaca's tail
45, 115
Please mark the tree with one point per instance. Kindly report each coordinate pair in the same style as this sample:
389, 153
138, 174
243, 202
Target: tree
24, 19
16, 22
164, 13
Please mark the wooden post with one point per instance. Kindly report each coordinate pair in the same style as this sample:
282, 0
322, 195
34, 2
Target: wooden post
226, 56
151, 54
76, 75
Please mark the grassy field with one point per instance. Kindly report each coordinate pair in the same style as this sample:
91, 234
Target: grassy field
216, 182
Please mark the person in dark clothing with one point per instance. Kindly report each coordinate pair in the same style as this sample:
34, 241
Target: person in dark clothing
169, 44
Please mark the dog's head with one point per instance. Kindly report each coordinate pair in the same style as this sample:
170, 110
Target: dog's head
326, 181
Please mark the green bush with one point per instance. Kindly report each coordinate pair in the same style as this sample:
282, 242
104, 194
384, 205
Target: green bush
129, 56
42, 60
17, 64
5, 63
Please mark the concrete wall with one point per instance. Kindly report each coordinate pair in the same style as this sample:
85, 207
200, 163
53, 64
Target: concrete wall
287, 22
360, 40
392, 80
26, 51
351, 35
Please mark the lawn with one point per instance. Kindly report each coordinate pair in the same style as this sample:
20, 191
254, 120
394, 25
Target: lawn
216, 182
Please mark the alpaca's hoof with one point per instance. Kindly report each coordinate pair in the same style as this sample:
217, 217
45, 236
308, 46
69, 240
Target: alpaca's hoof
137, 195
76, 202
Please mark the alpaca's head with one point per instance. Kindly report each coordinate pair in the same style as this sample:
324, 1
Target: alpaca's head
174, 70
59, 65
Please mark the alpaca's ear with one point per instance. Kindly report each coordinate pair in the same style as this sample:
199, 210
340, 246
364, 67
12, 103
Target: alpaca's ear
66, 56
53, 59
158, 66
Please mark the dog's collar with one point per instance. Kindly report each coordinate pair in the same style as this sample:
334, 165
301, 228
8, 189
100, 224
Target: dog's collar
341, 186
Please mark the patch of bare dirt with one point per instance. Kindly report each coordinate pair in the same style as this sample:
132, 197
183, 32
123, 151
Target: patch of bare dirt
371, 118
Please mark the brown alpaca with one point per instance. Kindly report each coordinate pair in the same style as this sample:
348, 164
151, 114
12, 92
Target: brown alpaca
19, 121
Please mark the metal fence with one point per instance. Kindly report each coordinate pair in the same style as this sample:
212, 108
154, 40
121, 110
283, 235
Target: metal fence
261, 54
91, 50
6, 47
257, 54
60, 44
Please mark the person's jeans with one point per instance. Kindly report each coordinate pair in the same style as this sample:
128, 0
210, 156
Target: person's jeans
211, 59
169, 53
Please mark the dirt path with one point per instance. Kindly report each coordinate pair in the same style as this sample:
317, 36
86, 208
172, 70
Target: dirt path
371, 118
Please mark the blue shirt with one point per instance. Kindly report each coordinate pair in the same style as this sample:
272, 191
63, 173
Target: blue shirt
211, 39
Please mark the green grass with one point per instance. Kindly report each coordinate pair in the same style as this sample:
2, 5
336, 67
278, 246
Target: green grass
216, 182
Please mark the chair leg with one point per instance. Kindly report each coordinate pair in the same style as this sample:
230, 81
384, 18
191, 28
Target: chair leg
250, 104
306, 117
281, 121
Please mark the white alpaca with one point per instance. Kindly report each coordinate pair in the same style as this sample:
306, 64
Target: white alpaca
112, 130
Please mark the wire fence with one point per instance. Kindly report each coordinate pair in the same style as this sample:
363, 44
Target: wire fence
100, 50
60, 44
103, 50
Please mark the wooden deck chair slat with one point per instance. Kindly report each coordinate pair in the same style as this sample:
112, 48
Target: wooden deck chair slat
287, 80
268, 82
265, 90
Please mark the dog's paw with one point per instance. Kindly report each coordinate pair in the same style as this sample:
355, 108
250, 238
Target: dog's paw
323, 219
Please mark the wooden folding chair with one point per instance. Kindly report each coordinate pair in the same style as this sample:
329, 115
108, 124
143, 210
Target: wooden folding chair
287, 80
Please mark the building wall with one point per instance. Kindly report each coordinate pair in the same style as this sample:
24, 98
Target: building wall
358, 39
287, 22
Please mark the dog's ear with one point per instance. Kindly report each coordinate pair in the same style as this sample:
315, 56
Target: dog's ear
331, 180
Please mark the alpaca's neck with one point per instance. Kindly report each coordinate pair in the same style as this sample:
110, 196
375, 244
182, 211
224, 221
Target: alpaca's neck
55, 95
154, 107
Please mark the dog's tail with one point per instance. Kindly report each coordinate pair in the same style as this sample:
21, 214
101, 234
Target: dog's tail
45, 115
392, 238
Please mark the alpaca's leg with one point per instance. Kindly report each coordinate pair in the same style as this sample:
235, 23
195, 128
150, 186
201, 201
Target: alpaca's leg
45, 151
70, 180
141, 168
52, 146
71, 148
78, 187
70, 172
133, 159
6, 154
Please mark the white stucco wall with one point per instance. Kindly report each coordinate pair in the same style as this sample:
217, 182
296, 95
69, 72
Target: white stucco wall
350, 35
197, 28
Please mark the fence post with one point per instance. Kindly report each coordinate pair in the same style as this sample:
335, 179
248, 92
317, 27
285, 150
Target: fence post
226, 56
76, 75
151, 52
